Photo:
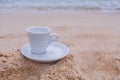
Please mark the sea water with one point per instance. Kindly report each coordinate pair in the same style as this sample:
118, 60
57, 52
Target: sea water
61, 4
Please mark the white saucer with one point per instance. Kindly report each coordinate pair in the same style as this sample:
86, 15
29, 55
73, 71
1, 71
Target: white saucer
54, 52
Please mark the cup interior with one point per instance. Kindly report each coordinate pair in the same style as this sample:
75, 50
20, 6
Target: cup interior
39, 30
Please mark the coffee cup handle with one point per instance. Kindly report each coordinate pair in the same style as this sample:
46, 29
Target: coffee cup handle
53, 37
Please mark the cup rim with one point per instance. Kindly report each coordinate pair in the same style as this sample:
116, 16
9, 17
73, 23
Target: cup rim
31, 27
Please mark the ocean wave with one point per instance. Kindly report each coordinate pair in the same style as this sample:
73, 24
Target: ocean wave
61, 4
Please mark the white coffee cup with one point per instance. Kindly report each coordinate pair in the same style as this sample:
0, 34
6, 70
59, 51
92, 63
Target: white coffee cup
39, 38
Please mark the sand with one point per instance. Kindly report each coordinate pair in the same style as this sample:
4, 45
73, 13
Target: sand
93, 39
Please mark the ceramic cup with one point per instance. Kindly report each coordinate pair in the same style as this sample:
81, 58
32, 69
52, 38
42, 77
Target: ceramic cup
39, 38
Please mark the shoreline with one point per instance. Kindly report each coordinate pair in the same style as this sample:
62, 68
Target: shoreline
29, 11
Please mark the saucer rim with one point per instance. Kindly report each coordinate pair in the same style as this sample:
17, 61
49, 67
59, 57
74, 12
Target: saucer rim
65, 54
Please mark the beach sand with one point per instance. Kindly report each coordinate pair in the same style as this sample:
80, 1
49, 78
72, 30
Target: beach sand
93, 39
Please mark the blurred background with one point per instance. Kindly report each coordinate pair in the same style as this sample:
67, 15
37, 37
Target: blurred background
60, 4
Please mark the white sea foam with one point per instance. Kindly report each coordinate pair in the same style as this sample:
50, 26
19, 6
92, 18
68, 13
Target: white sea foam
62, 4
